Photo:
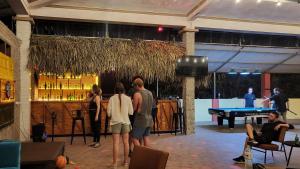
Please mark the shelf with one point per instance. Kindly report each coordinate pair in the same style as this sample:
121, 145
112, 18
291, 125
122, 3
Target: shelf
64, 89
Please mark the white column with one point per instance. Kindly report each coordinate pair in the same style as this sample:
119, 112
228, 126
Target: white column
188, 36
22, 77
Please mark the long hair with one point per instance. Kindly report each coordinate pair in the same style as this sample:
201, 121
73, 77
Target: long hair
120, 89
96, 90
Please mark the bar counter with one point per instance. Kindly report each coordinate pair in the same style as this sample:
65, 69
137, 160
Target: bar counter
41, 112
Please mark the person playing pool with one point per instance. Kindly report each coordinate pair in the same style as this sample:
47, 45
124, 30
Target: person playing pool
268, 133
249, 98
281, 102
249, 103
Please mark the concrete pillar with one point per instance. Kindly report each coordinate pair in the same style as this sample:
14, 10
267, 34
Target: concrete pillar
22, 77
266, 86
188, 36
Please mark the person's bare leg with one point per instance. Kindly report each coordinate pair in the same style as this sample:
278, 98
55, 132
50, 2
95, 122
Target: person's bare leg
146, 141
249, 130
136, 142
116, 139
246, 143
125, 138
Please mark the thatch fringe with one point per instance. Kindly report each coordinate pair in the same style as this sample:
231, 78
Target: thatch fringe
59, 54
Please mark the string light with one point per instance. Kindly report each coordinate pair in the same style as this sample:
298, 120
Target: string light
278, 3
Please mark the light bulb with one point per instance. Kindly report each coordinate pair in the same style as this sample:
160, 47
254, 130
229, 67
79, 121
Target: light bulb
258, 1
278, 3
237, 1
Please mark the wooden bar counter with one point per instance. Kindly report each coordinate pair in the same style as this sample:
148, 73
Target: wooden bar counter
41, 112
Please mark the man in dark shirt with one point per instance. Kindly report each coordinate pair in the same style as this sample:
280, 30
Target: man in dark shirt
269, 132
249, 98
249, 102
280, 102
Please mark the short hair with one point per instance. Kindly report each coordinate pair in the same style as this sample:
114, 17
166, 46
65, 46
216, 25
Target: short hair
276, 114
277, 89
137, 77
138, 82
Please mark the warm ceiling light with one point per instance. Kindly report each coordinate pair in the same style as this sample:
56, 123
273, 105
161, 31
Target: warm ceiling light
187, 59
278, 3
237, 1
258, 1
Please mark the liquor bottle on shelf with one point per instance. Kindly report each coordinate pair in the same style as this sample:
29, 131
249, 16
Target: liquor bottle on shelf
82, 86
60, 85
45, 85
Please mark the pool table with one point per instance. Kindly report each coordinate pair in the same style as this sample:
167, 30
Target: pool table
231, 113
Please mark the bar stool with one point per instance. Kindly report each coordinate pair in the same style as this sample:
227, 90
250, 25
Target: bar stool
53, 120
155, 120
76, 118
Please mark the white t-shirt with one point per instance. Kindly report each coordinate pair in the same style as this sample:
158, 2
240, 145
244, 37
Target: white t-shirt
119, 114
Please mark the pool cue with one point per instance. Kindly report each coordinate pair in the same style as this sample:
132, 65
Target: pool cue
292, 112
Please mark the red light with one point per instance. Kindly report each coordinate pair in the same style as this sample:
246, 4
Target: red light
160, 29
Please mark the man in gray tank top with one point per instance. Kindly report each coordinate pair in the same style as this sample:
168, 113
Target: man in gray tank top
142, 105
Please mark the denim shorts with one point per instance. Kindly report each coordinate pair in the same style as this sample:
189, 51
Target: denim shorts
140, 132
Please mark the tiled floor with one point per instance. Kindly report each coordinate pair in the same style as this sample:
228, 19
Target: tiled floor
210, 148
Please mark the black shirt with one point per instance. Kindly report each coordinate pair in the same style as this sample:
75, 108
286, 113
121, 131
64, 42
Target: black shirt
268, 130
249, 100
279, 102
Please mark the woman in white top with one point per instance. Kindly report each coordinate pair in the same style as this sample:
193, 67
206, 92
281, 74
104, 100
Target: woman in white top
119, 109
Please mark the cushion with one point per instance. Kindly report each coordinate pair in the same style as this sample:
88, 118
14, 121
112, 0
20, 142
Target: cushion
10, 154
272, 147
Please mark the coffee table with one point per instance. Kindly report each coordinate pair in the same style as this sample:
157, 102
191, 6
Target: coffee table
292, 144
40, 154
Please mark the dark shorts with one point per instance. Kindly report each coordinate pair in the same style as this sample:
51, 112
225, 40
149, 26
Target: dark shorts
261, 139
139, 133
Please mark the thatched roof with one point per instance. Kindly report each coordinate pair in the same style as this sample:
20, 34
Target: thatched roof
149, 59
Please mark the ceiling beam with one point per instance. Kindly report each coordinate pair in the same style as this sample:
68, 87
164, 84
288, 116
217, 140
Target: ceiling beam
108, 16
240, 25
20, 7
192, 14
41, 3
282, 62
229, 59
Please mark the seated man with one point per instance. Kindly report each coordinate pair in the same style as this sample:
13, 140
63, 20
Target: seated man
268, 133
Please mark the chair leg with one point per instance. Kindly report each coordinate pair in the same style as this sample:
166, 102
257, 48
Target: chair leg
83, 130
265, 156
73, 127
273, 155
284, 152
157, 125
